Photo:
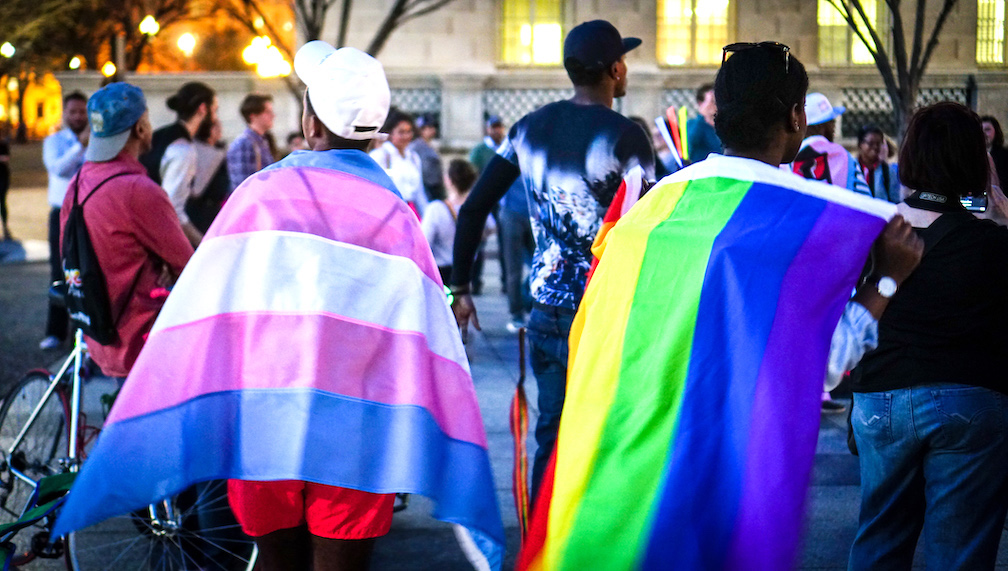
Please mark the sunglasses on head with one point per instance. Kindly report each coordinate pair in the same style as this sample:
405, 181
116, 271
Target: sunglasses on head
742, 46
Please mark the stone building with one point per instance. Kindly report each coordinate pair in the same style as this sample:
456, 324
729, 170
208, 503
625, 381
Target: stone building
477, 57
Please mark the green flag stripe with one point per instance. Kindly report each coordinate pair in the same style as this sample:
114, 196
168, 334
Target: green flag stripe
615, 512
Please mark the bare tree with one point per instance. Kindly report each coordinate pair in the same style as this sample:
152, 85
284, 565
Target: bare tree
311, 17
903, 81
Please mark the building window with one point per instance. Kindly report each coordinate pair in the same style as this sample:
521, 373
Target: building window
692, 32
990, 46
531, 33
838, 44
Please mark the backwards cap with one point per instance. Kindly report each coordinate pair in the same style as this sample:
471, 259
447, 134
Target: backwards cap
346, 87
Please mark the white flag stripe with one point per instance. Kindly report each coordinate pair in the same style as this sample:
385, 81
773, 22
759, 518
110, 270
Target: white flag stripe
755, 171
293, 272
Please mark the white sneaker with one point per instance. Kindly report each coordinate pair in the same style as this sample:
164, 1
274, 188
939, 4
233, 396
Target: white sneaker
50, 342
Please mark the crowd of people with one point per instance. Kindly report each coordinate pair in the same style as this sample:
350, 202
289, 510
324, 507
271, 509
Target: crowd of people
918, 340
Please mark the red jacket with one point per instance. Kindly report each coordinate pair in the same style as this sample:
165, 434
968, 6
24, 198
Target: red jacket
134, 232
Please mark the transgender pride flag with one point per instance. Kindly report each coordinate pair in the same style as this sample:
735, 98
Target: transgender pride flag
309, 338
696, 365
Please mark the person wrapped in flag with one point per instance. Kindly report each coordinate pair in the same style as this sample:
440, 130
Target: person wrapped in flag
699, 351
308, 354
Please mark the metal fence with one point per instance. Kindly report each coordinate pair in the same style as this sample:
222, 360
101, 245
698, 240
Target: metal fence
418, 101
679, 98
866, 106
513, 104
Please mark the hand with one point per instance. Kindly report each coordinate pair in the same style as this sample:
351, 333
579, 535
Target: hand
84, 136
166, 277
997, 206
898, 250
464, 310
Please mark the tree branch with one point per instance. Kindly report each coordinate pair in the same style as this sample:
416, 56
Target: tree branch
899, 40
431, 6
344, 23
933, 42
389, 24
918, 34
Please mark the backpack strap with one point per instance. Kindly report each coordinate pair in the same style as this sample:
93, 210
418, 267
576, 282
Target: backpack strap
100, 184
132, 290
885, 178
941, 227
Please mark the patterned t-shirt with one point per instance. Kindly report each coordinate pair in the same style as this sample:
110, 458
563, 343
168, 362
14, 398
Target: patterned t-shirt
572, 158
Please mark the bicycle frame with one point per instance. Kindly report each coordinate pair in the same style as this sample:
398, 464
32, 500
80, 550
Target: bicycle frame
76, 358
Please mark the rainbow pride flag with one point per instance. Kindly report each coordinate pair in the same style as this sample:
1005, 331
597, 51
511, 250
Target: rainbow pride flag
697, 361
309, 338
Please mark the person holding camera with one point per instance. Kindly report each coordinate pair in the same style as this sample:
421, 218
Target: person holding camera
930, 414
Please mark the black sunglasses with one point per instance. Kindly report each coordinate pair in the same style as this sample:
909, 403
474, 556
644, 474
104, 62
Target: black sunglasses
742, 46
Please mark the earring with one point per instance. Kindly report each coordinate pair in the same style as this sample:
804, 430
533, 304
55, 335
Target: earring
796, 126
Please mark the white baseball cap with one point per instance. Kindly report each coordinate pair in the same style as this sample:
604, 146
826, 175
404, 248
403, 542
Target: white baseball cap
818, 109
346, 87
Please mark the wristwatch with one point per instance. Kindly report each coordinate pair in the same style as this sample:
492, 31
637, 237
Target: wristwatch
886, 287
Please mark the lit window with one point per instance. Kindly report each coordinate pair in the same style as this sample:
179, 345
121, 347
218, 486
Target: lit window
531, 33
990, 46
692, 32
838, 44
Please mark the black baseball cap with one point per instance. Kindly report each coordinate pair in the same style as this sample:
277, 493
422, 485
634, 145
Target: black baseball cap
596, 45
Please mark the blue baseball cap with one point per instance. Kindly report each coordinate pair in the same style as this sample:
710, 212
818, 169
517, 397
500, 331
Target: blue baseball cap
112, 111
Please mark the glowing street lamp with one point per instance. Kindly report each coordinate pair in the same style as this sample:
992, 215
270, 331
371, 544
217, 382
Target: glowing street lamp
149, 26
7, 50
187, 43
75, 63
109, 69
266, 57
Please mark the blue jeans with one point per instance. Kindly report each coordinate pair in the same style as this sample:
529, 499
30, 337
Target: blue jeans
548, 330
933, 458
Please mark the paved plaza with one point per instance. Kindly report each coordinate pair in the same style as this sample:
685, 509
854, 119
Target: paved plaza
418, 541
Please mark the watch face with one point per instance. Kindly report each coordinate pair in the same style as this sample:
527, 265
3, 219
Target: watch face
886, 287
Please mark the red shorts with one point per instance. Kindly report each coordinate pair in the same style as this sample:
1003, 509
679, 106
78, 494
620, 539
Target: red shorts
329, 511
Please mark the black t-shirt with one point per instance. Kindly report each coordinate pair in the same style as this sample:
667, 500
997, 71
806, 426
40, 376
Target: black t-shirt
571, 158
948, 323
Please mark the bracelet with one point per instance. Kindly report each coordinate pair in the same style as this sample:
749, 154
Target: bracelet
459, 289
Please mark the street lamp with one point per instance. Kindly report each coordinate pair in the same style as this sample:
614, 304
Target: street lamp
109, 69
187, 43
7, 50
149, 26
75, 62
266, 57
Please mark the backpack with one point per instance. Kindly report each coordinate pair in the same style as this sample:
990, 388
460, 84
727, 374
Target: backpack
87, 297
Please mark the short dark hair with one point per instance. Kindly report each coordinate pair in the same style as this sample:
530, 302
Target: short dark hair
755, 90
944, 151
395, 117
869, 129
701, 92
189, 97
998, 133
334, 140
462, 174
581, 75
254, 104
74, 96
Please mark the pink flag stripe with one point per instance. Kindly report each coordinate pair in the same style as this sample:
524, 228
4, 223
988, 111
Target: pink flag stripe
353, 359
291, 272
332, 205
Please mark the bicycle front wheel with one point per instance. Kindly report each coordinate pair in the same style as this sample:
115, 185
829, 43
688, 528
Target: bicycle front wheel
38, 452
193, 530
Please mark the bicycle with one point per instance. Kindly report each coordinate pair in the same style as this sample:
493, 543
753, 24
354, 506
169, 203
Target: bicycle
44, 432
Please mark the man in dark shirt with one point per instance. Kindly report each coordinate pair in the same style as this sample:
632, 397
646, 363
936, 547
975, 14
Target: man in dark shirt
571, 156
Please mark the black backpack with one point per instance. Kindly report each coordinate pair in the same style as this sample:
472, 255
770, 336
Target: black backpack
87, 297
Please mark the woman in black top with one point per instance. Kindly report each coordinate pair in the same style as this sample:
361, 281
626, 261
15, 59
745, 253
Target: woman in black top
931, 408
995, 146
